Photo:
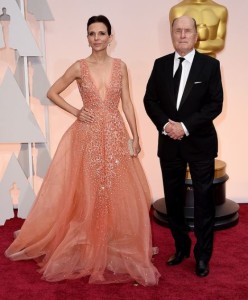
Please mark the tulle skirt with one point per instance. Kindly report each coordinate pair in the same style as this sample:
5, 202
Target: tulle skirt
91, 216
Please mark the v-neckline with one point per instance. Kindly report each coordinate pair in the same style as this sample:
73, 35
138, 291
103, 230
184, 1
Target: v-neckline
108, 81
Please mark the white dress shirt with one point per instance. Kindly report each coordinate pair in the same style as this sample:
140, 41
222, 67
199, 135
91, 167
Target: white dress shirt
186, 65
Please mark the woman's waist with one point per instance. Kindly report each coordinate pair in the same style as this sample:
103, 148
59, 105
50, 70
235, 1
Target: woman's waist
102, 109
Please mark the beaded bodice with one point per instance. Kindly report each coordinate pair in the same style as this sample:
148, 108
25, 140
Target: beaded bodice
89, 93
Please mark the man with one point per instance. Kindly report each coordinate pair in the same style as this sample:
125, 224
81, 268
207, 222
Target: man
187, 135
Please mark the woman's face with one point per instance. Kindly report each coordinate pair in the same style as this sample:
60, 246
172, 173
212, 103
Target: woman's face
98, 37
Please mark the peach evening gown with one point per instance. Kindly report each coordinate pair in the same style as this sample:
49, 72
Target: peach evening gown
91, 216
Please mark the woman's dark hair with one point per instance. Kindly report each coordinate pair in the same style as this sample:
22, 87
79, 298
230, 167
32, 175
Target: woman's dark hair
100, 19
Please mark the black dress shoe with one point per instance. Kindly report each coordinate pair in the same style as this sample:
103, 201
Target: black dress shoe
177, 258
202, 268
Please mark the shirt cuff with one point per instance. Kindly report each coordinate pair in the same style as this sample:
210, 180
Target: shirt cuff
164, 132
185, 129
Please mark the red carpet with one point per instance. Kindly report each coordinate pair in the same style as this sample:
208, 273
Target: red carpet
228, 278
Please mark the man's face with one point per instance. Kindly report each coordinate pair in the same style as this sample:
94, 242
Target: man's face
184, 35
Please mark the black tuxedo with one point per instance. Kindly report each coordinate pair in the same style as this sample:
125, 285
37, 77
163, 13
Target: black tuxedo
201, 102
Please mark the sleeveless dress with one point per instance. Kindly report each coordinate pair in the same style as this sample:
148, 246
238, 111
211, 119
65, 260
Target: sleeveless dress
91, 215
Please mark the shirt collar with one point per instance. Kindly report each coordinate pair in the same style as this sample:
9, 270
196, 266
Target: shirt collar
189, 57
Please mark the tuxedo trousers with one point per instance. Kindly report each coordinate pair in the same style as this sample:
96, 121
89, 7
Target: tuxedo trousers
202, 174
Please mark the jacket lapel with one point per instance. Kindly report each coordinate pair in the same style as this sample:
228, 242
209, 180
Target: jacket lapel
195, 69
169, 78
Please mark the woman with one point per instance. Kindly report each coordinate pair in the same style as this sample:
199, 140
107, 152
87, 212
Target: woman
91, 216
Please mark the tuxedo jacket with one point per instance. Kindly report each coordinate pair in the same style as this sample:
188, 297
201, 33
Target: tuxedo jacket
201, 103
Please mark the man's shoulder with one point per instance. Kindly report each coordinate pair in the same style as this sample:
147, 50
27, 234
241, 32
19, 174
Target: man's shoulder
165, 58
206, 58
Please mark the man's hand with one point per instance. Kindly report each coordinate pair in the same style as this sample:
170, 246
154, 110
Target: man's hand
174, 130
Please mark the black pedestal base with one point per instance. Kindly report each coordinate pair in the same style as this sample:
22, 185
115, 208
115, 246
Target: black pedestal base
226, 214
